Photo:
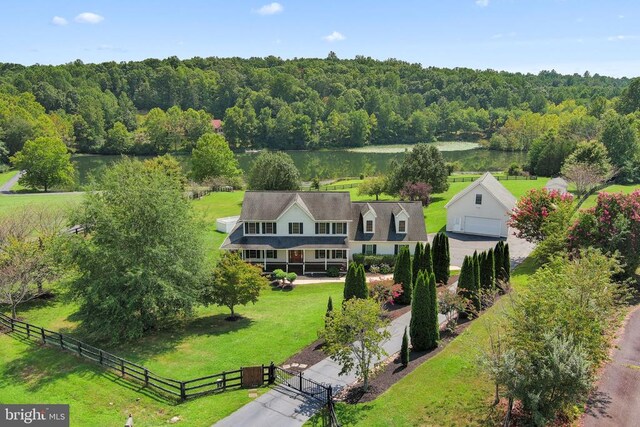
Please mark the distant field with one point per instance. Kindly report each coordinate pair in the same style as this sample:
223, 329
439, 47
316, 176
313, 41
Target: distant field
401, 148
626, 189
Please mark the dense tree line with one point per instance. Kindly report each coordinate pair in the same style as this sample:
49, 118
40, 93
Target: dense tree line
155, 106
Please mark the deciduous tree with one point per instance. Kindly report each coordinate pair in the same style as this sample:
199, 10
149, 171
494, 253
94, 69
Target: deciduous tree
46, 163
274, 171
212, 158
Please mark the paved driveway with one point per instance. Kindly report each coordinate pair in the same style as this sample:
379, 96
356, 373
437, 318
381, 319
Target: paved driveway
461, 245
616, 400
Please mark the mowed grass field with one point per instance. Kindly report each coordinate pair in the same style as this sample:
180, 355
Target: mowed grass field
278, 326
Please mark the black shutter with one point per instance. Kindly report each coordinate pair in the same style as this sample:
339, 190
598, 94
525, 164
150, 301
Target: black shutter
246, 228
317, 228
301, 228
290, 227
275, 228
334, 230
363, 249
375, 249
395, 249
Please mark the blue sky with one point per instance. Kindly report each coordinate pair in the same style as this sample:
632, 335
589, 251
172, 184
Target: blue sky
515, 35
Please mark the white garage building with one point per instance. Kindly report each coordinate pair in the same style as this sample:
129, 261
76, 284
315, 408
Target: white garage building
483, 208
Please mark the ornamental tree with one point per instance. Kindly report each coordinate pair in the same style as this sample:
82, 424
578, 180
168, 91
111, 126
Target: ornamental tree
234, 282
404, 349
373, 186
417, 259
612, 225
441, 258
416, 191
353, 336
531, 211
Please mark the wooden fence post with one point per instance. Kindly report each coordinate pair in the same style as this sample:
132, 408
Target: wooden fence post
183, 391
28, 331
224, 380
100, 356
44, 337
146, 376
79, 349
61, 340
11, 321
122, 367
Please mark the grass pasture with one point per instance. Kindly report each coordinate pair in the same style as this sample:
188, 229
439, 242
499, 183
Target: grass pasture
207, 344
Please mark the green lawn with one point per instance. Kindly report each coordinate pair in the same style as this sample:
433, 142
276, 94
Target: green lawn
448, 389
626, 189
6, 176
9, 203
206, 345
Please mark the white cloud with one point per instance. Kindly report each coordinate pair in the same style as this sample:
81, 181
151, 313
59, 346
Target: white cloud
58, 20
89, 18
270, 9
621, 37
620, 16
482, 3
334, 37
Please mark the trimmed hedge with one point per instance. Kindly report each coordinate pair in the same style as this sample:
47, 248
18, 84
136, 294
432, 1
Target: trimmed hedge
369, 260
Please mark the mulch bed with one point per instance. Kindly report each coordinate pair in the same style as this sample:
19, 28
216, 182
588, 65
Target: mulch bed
392, 371
310, 355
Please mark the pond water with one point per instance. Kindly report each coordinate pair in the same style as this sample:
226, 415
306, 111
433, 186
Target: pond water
334, 163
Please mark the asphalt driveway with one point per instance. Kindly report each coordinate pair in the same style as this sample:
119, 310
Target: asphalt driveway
461, 245
616, 399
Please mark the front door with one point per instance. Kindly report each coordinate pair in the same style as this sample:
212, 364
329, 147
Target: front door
295, 257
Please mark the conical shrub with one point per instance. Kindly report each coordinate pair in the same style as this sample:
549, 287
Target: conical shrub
402, 275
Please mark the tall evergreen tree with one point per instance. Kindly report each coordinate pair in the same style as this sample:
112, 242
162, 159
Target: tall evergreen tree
487, 270
433, 326
349, 282
404, 349
427, 259
419, 314
360, 287
417, 258
498, 253
467, 282
441, 258
476, 275
506, 260
329, 312
402, 275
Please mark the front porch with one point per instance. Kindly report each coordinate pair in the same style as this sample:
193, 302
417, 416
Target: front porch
299, 261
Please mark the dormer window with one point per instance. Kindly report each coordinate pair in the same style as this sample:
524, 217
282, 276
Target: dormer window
478, 199
402, 226
368, 226
251, 228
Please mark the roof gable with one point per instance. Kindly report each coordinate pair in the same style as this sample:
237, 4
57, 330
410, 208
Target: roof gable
493, 187
318, 205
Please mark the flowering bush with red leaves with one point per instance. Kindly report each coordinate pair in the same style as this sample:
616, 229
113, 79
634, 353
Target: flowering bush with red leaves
612, 225
384, 290
532, 210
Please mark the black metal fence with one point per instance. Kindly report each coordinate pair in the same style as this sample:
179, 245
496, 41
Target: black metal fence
498, 177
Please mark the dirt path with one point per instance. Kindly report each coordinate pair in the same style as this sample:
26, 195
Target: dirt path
616, 400
6, 187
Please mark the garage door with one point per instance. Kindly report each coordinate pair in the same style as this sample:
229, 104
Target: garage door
482, 226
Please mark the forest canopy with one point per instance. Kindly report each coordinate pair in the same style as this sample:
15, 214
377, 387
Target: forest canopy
155, 106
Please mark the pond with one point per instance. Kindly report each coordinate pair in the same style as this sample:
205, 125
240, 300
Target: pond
329, 164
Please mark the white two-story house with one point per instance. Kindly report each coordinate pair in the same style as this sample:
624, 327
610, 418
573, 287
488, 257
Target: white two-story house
312, 231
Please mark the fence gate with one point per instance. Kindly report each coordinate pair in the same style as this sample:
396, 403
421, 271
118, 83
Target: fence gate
298, 382
252, 376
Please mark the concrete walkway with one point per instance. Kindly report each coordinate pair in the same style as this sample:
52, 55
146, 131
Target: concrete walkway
286, 408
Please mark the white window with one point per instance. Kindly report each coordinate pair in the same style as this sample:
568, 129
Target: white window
272, 254
323, 228
369, 249
402, 226
268, 228
339, 254
478, 199
252, 254
340, 228
295, 228
368, 227
321, 254
251, 228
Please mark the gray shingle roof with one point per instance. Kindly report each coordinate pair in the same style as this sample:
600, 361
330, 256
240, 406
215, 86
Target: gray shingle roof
269, 205
559, 184
494, 187
385, 225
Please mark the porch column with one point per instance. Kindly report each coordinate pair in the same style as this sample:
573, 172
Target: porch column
287, 261
304, 251
325, 260
264, 260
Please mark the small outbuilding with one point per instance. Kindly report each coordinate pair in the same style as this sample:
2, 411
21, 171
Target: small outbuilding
483, 208
225, 225
558, 184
